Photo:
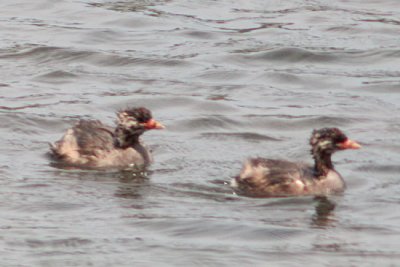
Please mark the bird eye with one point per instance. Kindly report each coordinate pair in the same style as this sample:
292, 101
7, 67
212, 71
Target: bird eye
340, 139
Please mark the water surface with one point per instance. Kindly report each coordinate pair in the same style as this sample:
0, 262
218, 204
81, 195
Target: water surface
229, 79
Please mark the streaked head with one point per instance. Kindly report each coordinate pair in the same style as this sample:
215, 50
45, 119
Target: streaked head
329, 140
137, 119
133, 122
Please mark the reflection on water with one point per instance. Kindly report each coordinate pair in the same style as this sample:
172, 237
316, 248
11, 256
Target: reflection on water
131, 184
323, 216
231, 79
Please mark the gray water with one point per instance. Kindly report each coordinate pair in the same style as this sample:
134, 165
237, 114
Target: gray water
229, 79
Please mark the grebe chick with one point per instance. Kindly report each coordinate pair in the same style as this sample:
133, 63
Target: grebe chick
92, 144
262, 177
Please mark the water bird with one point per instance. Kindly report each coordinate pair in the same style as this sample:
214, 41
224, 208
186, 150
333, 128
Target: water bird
90, 143
262, 177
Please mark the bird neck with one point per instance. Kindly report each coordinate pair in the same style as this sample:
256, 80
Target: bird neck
124, 138
323, 163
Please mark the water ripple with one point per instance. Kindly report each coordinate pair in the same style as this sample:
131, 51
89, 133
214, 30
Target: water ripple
48, 54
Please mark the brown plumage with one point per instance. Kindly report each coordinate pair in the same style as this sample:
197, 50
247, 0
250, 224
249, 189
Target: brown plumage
261, 177
90, 143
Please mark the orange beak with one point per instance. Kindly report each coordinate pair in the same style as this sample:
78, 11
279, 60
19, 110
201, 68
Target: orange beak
153, 124
349, 144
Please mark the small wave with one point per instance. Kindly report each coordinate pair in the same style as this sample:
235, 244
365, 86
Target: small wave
49, 54
66, 242
57, 77
122, 6
248, 136
393, 169
292, 54
301, 55
225, 232
284, 122
218, 122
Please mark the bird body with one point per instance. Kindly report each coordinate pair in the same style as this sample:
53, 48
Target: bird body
90, 143
269, 177
262, 177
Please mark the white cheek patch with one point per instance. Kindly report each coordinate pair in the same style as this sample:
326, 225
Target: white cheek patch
126, 120
131, 123
324, 144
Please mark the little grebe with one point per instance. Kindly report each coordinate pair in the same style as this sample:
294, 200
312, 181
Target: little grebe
261, 177
90, 143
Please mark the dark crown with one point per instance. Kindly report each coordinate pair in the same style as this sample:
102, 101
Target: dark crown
141, 114
333, 134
